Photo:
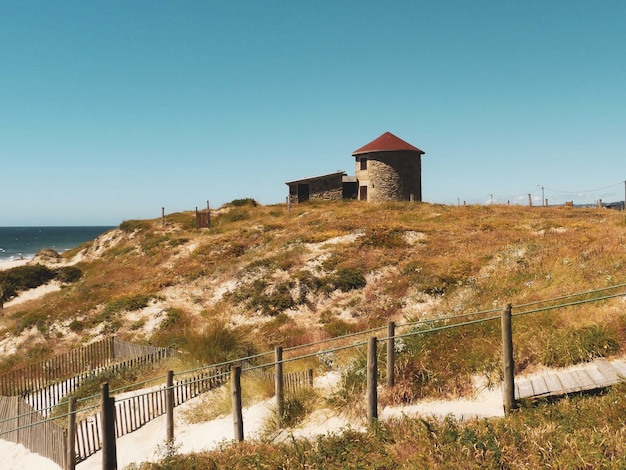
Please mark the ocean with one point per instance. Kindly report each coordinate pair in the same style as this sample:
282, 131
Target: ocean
24, 242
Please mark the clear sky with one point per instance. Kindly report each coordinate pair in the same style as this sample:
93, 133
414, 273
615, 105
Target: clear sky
110, 110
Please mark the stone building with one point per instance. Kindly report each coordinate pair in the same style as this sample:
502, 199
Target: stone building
389, 169
336, 185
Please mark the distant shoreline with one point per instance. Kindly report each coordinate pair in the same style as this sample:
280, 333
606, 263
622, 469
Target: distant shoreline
8, 264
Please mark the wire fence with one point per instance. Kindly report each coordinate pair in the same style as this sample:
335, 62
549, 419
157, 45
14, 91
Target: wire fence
134, 411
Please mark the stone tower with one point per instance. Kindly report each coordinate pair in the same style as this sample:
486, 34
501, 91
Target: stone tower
389, 169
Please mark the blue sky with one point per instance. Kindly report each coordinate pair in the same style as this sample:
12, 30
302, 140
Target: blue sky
110, 110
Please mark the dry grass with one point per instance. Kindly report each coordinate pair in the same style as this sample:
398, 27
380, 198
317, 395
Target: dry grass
269, 276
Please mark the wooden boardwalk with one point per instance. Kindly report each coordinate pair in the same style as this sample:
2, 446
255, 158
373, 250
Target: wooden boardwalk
594, 375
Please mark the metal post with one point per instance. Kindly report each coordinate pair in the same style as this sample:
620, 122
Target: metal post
507, 359
391, 354
235, 376
279, 384
372, 380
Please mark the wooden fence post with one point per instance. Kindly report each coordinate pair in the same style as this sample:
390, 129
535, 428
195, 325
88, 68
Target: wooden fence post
70, 458
391, 354
372, 380
309, 377
279, 383
169, 406
235, 376
507, 361
109, 449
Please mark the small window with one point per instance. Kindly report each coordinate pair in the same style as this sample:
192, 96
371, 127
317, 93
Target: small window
363, 163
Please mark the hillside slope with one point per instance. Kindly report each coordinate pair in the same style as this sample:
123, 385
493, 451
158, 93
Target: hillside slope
324, 269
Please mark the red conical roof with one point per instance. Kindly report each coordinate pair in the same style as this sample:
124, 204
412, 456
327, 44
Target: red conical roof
387, 143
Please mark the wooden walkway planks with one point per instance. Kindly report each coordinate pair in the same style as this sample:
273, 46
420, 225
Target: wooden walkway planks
598, 374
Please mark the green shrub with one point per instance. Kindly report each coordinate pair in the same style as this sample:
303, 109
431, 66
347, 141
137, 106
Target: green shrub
124, 304
243, 202
21, 278
347, 279
258, 296
129, 226
69, 274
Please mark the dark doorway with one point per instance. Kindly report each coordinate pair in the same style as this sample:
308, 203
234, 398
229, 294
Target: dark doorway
363, 193
349, 190
303, 192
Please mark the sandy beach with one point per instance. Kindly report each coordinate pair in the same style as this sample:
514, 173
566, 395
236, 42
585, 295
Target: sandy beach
4, 265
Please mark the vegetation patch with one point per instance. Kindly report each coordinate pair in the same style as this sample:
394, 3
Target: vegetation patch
567, 346
130, 226
346, 279
20, 278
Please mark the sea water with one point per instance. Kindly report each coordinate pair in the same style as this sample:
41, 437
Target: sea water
24, 242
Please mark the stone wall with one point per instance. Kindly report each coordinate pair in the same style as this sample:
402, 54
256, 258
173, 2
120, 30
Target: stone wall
327, 187
391, 176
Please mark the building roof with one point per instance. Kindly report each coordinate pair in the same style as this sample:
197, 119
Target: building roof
310, 178
387, 143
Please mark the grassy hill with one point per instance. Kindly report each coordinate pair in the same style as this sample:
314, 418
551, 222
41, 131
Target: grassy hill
262, 276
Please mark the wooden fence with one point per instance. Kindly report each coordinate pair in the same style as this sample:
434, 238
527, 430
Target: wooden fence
133, 412
36, 390
94, 356
45, 398
29, 428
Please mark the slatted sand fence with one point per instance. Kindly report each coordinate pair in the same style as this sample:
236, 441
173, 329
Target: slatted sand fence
22, 424
46, 398
135, 409
61, 366
24, 415
293, 381
76, 363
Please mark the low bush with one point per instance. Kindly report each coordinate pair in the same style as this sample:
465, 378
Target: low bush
15, 280
126, 304
243, 202
129, 226
68, 274
346, 279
